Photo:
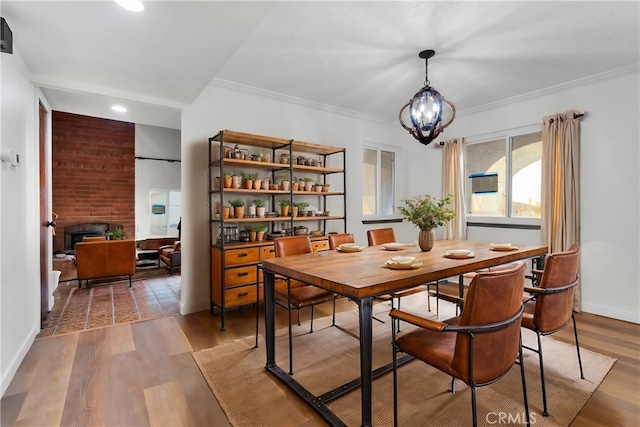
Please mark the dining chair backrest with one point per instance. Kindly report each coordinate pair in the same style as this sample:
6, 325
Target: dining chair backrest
553, 310
380, 236
292, 245
493, 297
336, 240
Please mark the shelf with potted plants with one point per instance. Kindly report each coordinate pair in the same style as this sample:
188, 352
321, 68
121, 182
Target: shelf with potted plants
236, 160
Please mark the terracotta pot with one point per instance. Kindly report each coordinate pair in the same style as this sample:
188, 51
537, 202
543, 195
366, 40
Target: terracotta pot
318, 188
225, 212
238, 212
260, 235
248, 184
227, 181
295, 186
257, 184
284, 210
285, 185
325, 188
252, 236
294, 211
426, 239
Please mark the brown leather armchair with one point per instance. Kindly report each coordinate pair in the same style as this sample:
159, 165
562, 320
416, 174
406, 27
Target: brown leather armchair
171, 255
481, 345
298, 294
105, 258
551, 306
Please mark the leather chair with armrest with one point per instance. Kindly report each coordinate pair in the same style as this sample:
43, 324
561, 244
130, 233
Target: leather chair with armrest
380, 236
298, 294
171, 255
551, 307
481, 345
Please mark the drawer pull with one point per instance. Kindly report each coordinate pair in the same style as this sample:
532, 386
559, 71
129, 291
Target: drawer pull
244, 273
243, 255
243, 294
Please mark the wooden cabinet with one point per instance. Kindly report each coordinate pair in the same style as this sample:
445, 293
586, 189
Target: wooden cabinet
235, 277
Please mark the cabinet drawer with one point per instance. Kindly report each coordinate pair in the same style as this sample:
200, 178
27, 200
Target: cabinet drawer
320, 245
267, 252
241, 256
240, 276
241, 296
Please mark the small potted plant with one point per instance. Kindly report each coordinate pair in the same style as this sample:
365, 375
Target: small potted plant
295, 184
301, 208
256, 157
236, 180
427, 213
285, 182
226, 179
325, 188
261, 229
251, 229
285, 204
318, 187
247, 179
309, 184
238, 207
115, 234
260, 207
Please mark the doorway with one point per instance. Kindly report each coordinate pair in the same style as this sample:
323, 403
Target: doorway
45, 253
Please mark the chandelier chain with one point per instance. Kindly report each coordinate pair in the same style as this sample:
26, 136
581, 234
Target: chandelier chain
426, 73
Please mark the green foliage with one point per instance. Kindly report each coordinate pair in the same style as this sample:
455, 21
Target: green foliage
259, 203
427, 213
117, 233
261, 227
301, 205
285, 202
236, 203
248, 176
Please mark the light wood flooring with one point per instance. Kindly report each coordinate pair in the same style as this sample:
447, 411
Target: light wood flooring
142, 373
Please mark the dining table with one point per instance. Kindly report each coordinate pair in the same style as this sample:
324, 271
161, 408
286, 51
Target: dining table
362, 275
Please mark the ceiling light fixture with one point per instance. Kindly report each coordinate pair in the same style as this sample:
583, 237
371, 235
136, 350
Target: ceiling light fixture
119, 108
132, 5
425, 109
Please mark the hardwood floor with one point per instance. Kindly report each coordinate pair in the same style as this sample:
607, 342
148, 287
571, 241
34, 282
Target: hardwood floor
142, 373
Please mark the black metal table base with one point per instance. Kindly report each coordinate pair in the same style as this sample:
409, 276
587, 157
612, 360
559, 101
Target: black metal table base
318, 403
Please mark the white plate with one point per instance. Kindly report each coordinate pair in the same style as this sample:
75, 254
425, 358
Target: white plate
396, 266
350, 248
459, 254
396, 246
403, 259
503, 247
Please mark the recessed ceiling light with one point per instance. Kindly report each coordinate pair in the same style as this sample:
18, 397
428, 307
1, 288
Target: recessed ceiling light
132, 5
119, 108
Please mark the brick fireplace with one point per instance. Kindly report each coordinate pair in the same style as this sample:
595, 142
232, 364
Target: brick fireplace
93, 175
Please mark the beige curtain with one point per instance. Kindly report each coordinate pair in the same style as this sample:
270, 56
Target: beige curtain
561, 184
453, 183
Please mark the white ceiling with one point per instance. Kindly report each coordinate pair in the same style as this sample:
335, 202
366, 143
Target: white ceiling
360, 56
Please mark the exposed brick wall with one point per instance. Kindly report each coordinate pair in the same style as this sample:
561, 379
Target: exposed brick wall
93, 172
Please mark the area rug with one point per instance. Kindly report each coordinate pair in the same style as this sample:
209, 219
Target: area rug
112, 304
328, 357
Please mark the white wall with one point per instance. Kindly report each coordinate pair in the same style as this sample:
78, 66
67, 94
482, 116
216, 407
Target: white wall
220, 108
19, 217
159, 143
609, 206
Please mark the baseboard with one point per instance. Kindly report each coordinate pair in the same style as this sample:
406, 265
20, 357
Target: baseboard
627, 316
7, 376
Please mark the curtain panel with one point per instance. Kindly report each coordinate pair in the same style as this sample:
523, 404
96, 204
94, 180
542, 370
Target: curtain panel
453, 183
561, 184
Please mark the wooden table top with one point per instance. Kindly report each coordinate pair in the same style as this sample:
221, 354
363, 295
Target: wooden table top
363, 274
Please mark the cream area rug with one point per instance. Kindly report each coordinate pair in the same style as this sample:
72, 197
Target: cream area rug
328, 357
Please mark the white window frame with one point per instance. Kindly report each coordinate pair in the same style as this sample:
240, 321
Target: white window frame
396, 181
507, 135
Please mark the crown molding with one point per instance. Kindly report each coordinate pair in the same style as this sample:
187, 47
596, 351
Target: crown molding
252, 90
608, 75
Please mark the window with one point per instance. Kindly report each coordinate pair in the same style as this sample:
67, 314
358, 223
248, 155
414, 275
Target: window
503, 176
165, 209
378, 181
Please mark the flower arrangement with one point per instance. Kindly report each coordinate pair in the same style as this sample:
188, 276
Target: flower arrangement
426, 212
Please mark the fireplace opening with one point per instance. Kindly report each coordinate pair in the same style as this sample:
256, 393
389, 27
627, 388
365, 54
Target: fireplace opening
74, 234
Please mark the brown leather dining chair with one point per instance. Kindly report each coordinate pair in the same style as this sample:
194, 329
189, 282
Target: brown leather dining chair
481, 345
551, 307
299, 295
336, 240
380, 236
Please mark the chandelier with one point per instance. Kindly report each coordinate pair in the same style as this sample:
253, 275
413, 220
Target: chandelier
425, 109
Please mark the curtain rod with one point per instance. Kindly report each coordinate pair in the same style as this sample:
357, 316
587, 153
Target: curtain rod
155, 158
575, 116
